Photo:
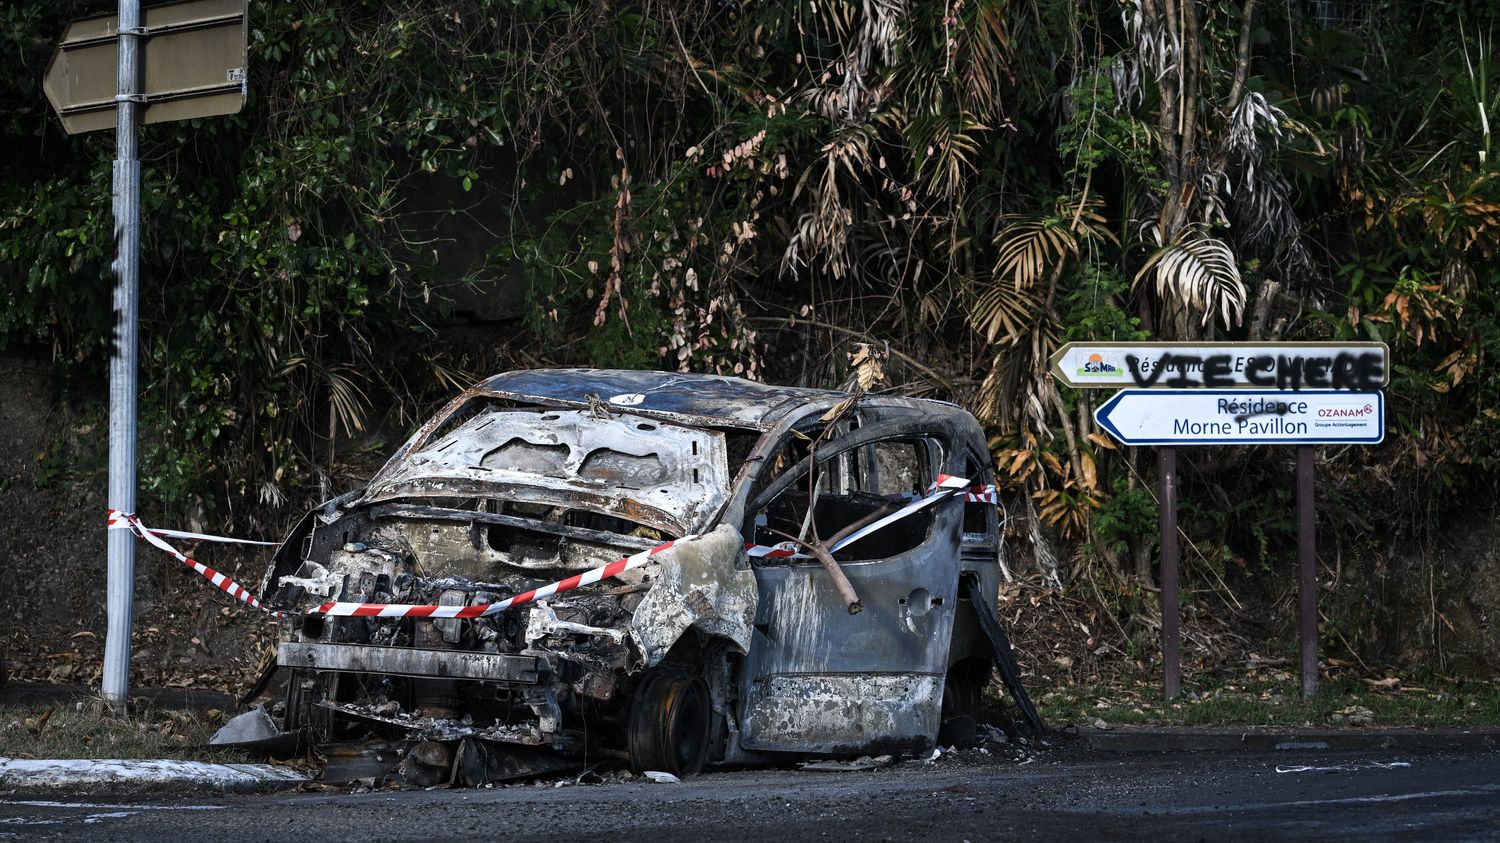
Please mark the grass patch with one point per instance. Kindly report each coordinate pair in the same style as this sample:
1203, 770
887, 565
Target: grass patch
1273, 698
80, 729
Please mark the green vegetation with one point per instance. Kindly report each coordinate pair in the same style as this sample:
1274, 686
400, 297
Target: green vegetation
419, 194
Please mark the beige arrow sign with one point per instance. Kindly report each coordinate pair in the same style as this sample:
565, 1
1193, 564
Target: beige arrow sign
192, 58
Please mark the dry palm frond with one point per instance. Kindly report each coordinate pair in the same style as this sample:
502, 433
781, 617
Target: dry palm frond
1032, 245
986, 42
1125, 77
1005, 312
1266, 223
950, 142
1156, 44
881, 31
823, 232
1198, 272
1242, 141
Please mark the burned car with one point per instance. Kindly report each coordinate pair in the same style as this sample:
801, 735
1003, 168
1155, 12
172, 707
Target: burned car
787, 596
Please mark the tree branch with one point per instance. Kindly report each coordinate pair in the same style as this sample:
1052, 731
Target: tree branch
1242, 62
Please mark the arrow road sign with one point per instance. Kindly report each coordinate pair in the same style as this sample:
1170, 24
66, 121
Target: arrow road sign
1243, 417
1223, 365
193, 65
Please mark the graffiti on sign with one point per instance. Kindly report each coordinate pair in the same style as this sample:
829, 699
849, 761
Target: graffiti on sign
1342, 371
1287, 366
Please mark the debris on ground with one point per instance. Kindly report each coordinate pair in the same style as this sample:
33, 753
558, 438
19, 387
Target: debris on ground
864, 762
251, 727
1343, 768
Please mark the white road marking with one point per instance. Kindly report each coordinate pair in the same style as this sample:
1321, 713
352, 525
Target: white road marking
1342, 768
42, 803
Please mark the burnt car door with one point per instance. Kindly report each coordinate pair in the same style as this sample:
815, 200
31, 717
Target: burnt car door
819, 678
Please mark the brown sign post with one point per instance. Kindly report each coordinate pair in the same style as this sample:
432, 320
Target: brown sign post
1185, 394
192, 65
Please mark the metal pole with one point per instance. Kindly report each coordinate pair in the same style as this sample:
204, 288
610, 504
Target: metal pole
1307, 560
122, 364
1171, 622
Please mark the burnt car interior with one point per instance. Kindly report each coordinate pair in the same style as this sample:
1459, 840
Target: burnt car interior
854, 488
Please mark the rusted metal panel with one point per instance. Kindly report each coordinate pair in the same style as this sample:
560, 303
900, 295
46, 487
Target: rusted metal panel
705, 584
407, 661
845, 713
672, 476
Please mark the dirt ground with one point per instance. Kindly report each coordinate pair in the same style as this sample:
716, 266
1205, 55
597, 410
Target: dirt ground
53, 451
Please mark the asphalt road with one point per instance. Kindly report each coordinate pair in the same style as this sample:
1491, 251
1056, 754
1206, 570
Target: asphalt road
1058, 795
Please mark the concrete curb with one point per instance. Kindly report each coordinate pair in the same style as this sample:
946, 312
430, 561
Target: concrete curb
50, 776
1273, 740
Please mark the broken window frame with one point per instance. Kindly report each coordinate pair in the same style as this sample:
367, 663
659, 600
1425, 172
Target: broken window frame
842, 451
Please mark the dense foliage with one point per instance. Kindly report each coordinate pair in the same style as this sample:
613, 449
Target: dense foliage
422, 192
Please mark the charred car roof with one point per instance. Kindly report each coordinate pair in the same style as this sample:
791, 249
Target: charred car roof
711, 400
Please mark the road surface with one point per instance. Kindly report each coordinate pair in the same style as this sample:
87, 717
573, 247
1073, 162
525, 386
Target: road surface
1065, 794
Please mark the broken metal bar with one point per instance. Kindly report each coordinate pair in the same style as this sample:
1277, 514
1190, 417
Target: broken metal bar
407, 661
835, 571
530, 525
1005, 657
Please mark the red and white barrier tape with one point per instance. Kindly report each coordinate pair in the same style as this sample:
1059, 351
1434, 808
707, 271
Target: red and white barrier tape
126, 521
945, 487
983, 494
117, 522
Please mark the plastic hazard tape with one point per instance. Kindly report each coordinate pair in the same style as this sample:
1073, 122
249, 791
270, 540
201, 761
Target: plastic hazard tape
127, 521
946, 486
983, 494
117, 522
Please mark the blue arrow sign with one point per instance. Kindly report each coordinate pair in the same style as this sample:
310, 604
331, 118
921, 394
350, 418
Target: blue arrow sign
1243, 417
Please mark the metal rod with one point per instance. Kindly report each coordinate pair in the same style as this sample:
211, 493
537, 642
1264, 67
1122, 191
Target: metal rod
1307, 560
122, 364
1171, 619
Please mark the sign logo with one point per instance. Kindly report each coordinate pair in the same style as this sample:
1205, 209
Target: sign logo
1095, 366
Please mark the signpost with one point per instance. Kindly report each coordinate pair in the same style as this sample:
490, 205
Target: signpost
181, 61
1177, 394
191, 64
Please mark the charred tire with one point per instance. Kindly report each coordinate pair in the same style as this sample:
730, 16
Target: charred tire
963, 697
963, 690
670, 720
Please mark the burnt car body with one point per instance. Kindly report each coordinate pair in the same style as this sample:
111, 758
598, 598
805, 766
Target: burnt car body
704, 654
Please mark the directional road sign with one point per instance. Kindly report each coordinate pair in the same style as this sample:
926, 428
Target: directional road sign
1243, 417
193, 65
1223, 365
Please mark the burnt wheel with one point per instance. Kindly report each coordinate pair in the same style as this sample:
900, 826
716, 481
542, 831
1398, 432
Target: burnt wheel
669, 724
963, 697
